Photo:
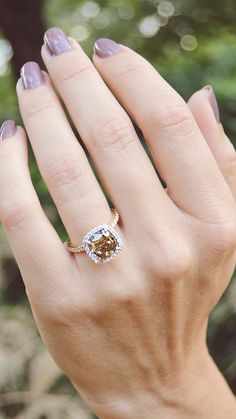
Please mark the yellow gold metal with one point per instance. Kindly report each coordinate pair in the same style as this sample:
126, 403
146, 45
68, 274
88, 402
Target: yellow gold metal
80, 248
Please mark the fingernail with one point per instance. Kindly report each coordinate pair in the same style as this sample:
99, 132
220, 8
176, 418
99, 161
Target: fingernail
56, 41
7, 129
104, 47
213, 102
31, 75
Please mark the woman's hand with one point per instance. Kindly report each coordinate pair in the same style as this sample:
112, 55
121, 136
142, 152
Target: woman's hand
131, 333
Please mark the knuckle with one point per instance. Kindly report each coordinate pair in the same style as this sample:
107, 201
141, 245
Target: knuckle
116, 134
36, 108
130, 297
176, 265
64, 172
96, 312
174, 260
224, 237
174, 118
127, 298
230, 163
63, 313
130, 65
16, 214
71, 73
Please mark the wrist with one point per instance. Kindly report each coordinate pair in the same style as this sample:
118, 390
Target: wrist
197, 392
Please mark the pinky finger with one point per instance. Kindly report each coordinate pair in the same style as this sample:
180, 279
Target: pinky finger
205, 110
34, 242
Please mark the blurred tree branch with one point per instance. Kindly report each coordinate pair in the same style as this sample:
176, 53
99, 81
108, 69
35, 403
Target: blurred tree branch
22, 23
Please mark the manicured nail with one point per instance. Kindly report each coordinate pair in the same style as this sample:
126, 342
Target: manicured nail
104, 47
56, 41
213, 102
7, 129
31, 75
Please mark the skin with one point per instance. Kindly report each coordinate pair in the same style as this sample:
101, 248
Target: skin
131, 334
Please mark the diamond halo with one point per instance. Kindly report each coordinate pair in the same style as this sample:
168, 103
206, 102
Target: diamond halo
102, 244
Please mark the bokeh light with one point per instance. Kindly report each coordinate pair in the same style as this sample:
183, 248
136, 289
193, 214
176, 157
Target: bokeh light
166, 8
102, 20
90, 9
80, 32
6, 53
163, 20
188, 42
149, 26
126, 12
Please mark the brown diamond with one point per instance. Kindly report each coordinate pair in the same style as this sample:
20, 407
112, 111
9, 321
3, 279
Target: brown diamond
102, 243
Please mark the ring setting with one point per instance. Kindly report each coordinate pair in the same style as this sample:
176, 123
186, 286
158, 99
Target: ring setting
102, 244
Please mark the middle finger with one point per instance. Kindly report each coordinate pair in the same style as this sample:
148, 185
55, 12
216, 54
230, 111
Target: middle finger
106, 130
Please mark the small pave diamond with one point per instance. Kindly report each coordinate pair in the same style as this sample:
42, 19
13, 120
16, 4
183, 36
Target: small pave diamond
102, 244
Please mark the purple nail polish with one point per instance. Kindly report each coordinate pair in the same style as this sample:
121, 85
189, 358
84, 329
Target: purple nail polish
56, 41
104, 47
213, 102
7, 129
31, 75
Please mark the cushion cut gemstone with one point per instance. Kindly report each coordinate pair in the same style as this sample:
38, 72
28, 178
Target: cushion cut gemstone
102, 243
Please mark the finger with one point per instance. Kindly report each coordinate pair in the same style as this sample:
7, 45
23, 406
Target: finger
106, 130
181, 154
205, 110
61, 159
34, 242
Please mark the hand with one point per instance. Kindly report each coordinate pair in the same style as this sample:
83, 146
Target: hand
131, 333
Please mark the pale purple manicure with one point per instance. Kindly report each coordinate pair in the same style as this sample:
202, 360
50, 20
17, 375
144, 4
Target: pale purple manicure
213, 102
56, 41
7, 129
104, 47
31, 75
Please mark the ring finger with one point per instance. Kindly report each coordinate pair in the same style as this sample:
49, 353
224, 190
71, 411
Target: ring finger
61, 159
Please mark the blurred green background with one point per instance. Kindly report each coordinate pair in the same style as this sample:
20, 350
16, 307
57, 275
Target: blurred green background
192, 43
